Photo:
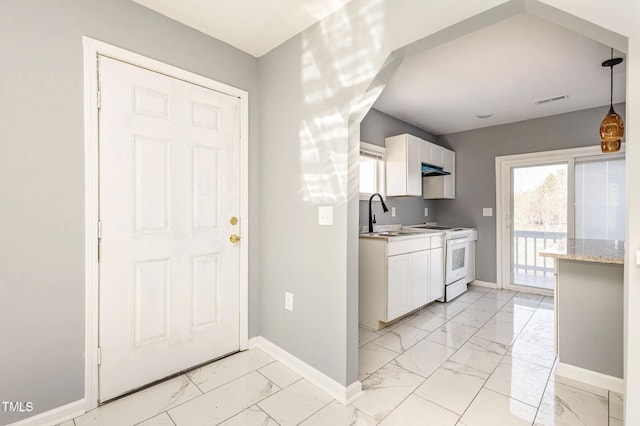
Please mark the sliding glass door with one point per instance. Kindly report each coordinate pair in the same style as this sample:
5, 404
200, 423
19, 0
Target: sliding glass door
539, 219
548, 196
600, 198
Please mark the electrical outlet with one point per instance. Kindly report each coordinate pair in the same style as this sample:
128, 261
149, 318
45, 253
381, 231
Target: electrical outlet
393, 212
426, 211
288, 301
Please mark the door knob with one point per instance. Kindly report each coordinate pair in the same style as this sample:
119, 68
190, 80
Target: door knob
234, 238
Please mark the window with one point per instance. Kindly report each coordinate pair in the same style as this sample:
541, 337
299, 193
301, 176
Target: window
371, 170
600, 198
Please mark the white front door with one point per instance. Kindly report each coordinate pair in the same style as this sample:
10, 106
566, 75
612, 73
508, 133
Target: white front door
169, 187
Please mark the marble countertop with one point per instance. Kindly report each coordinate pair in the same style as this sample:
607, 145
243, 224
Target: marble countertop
599, 251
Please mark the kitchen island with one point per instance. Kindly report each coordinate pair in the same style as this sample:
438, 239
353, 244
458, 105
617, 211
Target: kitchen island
589, 310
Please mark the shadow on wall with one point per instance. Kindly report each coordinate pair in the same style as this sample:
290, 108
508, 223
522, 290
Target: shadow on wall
324, 156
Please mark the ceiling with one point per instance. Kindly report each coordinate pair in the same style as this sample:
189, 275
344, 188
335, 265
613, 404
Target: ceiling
501, 70
254, 26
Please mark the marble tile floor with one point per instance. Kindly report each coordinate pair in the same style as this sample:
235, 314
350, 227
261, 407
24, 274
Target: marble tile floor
485, 359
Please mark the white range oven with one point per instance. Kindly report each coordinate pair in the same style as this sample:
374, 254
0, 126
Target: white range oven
457, 259
456, 264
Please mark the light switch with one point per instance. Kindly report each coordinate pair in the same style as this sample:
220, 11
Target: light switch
426, 211
288, 301
393, 212
487, 211
325, 215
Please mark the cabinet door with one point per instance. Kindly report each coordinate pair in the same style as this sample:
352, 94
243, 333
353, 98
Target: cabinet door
403, 167
399, 276
425, 152
436, 274
414, 167
420, 278
437, 155
449, 181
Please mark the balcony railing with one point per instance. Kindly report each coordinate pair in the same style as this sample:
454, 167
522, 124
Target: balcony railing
528, 267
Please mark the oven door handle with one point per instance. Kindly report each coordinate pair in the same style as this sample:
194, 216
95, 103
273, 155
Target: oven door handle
463, 240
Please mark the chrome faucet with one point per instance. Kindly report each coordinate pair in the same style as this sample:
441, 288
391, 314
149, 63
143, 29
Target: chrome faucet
372, 219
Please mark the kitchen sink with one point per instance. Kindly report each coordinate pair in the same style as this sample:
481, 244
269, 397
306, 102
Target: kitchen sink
393, 233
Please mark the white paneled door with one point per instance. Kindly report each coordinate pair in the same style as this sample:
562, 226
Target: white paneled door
169, 192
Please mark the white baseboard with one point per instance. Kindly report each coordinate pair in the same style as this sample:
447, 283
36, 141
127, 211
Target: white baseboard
54, 416
483, 284
590, 377
342, 394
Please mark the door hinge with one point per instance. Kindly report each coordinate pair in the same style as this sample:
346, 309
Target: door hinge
99, 356
99, 238
99, 99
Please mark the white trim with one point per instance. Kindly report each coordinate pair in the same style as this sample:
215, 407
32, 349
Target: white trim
91, 219
372, 149
486, 284
54, 416
532, 290
93, 48
590, 377
345, 395
503, 166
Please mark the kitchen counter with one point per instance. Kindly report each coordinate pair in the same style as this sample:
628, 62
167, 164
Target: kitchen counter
597, 251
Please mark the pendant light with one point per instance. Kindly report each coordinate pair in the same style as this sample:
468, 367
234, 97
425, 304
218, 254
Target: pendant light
612, 127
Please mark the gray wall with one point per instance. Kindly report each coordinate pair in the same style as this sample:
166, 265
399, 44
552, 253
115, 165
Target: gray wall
42, 177
302, 169
476, 151
376, 126
591, 316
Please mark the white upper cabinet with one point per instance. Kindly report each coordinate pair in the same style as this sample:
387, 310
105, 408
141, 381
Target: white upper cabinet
426, 151
441, 187
405, 155
404, 168
438, 156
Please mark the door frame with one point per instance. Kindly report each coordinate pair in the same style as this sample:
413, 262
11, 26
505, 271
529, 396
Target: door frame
503, 203
91, 49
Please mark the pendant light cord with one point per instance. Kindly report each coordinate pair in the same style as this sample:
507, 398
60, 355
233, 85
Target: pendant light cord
611, 92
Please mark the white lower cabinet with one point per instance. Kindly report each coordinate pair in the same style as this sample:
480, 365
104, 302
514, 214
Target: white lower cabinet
407, 276
398, 276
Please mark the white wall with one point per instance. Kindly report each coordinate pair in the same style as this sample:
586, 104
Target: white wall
310, 86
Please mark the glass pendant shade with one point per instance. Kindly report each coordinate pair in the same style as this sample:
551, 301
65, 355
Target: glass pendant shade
611, 132
612, 127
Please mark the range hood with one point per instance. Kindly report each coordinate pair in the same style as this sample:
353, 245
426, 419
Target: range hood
430, 170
